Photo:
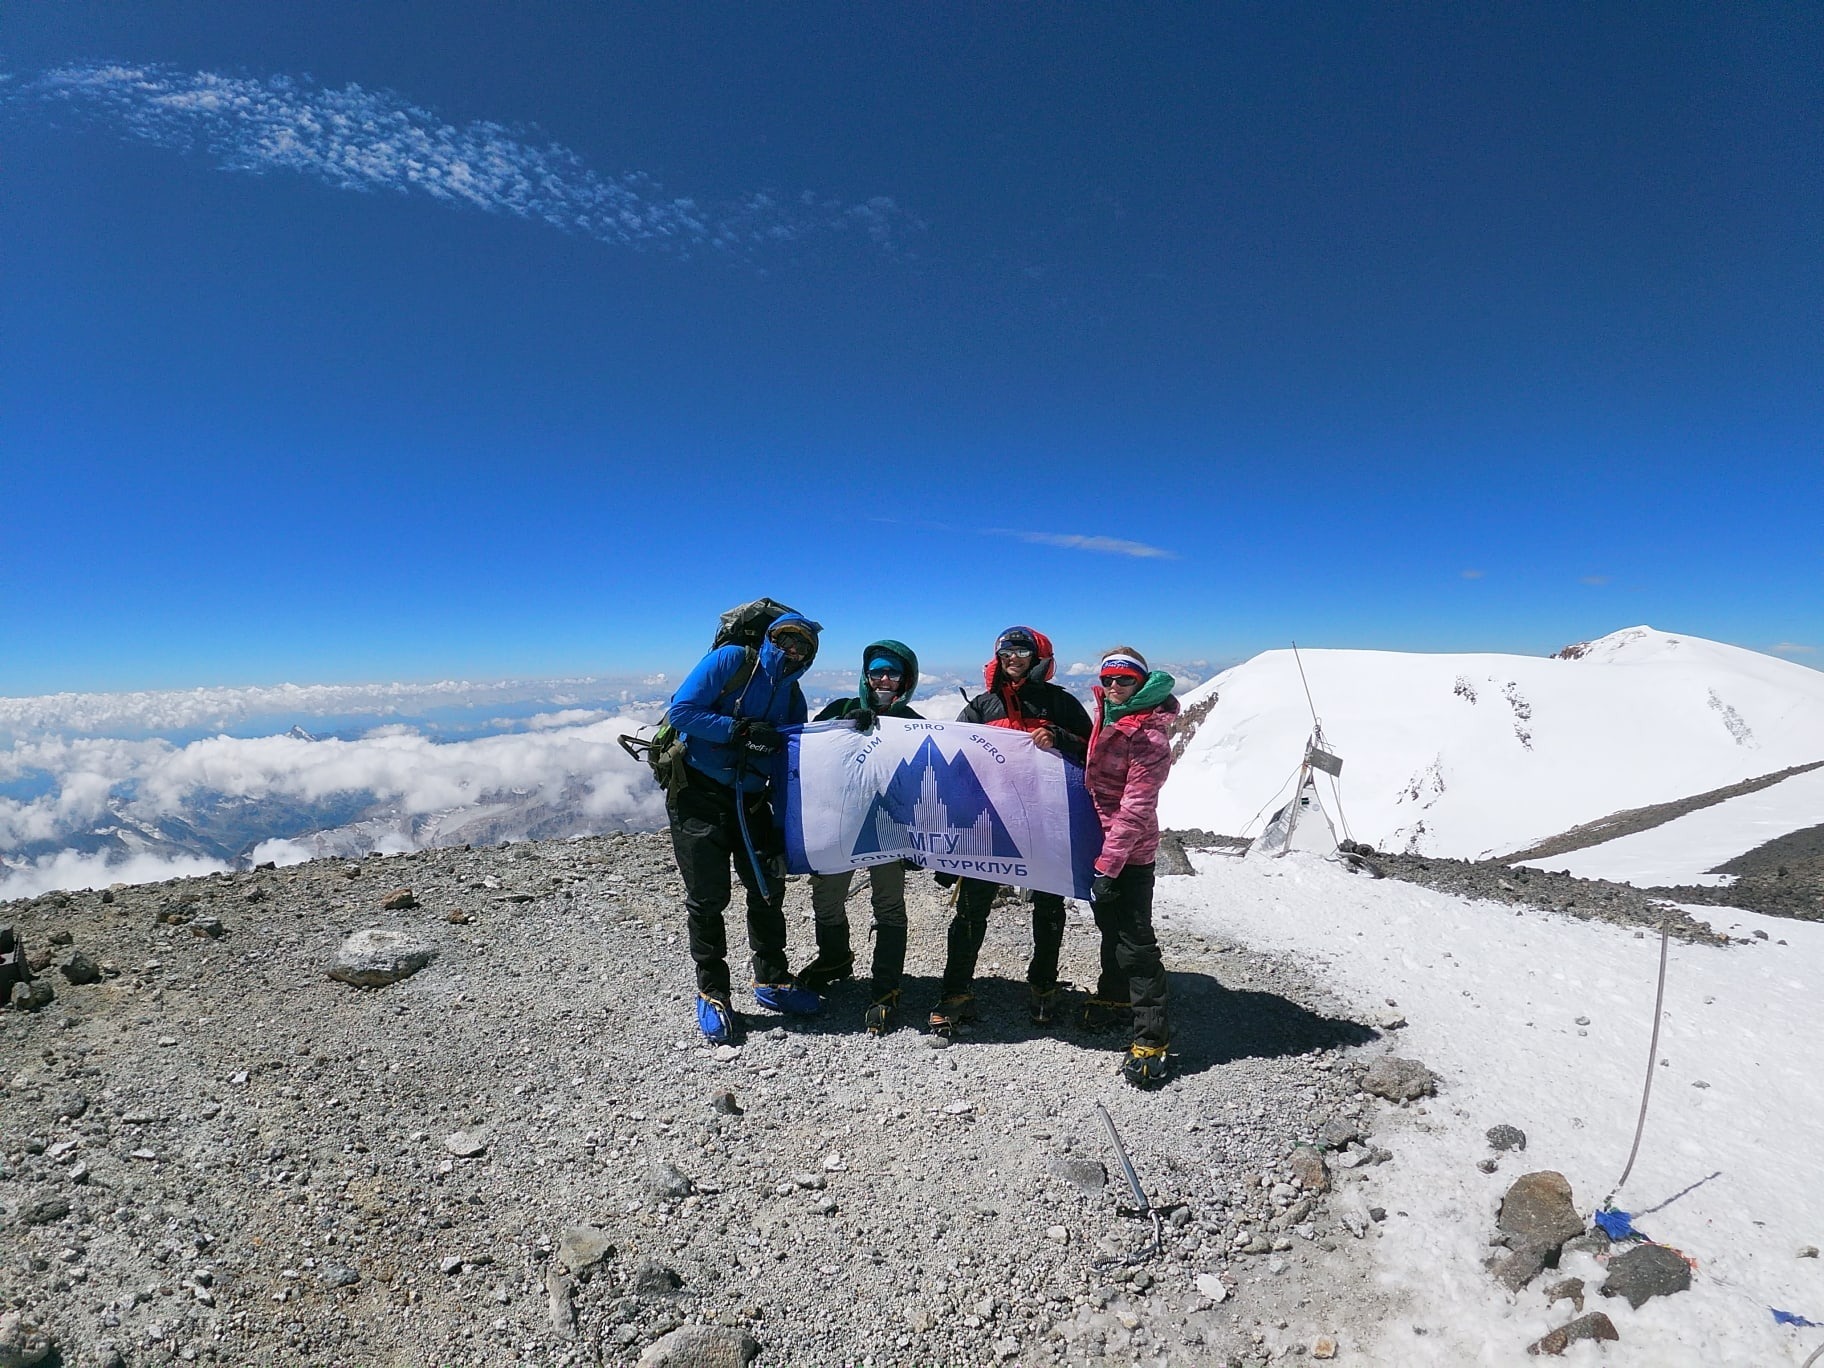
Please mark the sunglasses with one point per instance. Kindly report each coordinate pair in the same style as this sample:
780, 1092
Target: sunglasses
1017, 652
792, 641
1118, 681
883, 674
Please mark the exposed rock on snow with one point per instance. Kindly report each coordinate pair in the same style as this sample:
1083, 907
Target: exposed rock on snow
1399, 1080
1538, 1210
1646, 1271
1594, 1326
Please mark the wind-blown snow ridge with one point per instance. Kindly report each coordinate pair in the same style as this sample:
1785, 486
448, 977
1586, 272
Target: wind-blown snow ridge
354, 138
1470, 755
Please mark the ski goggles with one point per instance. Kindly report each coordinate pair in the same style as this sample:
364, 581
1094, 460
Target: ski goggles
793, 640
881, 676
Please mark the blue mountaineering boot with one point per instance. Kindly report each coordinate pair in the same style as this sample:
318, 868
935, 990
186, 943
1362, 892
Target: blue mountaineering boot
789, 997
717, 1019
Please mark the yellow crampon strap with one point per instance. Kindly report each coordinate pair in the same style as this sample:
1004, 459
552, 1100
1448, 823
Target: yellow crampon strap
1139, 1051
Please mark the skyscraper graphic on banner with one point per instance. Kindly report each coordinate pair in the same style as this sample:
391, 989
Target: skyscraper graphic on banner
935, 805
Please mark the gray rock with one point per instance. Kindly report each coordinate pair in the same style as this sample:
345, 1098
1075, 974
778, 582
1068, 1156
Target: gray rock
652, 1279
701, 1346
1399, 1080
43, 1211
80, 969
1171, 858
1086, 1175
1644, 1272
32, 994
22, 1343
1567, 1289
723, 1101
1594, 1326
466, 1146
668, 1182
340, 1275
71, 1105
1507, 1137
375, 958
1538, 1210
1521, 1265
561, 1305
1338, 1132
583, 1247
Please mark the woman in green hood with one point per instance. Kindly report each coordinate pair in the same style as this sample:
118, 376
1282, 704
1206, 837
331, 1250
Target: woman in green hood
889, 674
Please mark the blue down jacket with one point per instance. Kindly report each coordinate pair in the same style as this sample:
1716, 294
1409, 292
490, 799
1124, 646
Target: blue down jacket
706, 717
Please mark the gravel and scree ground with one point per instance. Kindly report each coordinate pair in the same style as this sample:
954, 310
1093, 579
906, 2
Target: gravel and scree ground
524, 1152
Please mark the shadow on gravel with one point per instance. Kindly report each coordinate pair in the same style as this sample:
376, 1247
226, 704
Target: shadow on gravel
1212, 1025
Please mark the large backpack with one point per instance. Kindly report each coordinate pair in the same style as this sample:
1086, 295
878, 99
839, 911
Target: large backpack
745, 626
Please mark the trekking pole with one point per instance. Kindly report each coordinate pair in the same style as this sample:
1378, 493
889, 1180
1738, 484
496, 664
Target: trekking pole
753, 857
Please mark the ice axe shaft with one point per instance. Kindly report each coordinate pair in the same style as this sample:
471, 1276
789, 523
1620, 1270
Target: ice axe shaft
1141, 1205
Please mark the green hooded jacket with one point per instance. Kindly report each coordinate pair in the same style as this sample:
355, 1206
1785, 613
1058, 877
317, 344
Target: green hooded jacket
908, 684
1154, 691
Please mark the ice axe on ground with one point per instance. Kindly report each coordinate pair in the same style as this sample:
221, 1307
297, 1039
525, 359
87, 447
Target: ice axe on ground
1142, 1206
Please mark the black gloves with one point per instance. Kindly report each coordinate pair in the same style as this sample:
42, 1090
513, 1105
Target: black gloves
863, 719
1103, 889
943, 880
756, 738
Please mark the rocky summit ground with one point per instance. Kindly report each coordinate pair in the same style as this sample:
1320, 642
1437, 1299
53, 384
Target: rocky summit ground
524, 1153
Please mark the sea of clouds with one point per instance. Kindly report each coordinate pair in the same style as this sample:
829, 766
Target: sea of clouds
97, 789
104, 788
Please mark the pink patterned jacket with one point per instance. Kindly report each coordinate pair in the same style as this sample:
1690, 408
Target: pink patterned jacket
1127, 765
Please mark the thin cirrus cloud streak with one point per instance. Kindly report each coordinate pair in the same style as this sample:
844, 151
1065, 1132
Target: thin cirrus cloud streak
353, 138
1071, 541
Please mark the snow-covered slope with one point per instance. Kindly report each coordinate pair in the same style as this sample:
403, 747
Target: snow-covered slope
1681, 851
1469, 755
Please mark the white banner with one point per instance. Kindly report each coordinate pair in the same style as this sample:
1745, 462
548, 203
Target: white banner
982, 802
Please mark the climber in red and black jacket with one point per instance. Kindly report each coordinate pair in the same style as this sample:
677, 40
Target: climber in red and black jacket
1020, 696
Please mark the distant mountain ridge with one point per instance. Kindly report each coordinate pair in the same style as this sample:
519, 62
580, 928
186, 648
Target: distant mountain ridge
1473, 755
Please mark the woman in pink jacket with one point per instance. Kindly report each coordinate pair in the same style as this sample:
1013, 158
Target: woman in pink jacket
1130, 753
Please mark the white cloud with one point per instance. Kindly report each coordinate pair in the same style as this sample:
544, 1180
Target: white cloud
1072, 541
74, 869
359, 139
1792, 648
93, 781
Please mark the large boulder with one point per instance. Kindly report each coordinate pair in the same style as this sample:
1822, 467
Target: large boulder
1399, 1080
1538, 1210
700, 1346
375, 958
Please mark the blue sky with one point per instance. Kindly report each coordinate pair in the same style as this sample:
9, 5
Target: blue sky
379, 341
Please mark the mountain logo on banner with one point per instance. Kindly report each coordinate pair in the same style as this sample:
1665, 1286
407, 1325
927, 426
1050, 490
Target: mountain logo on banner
936, 806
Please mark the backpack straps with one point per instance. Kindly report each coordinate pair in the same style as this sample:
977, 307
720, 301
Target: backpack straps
742, 677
